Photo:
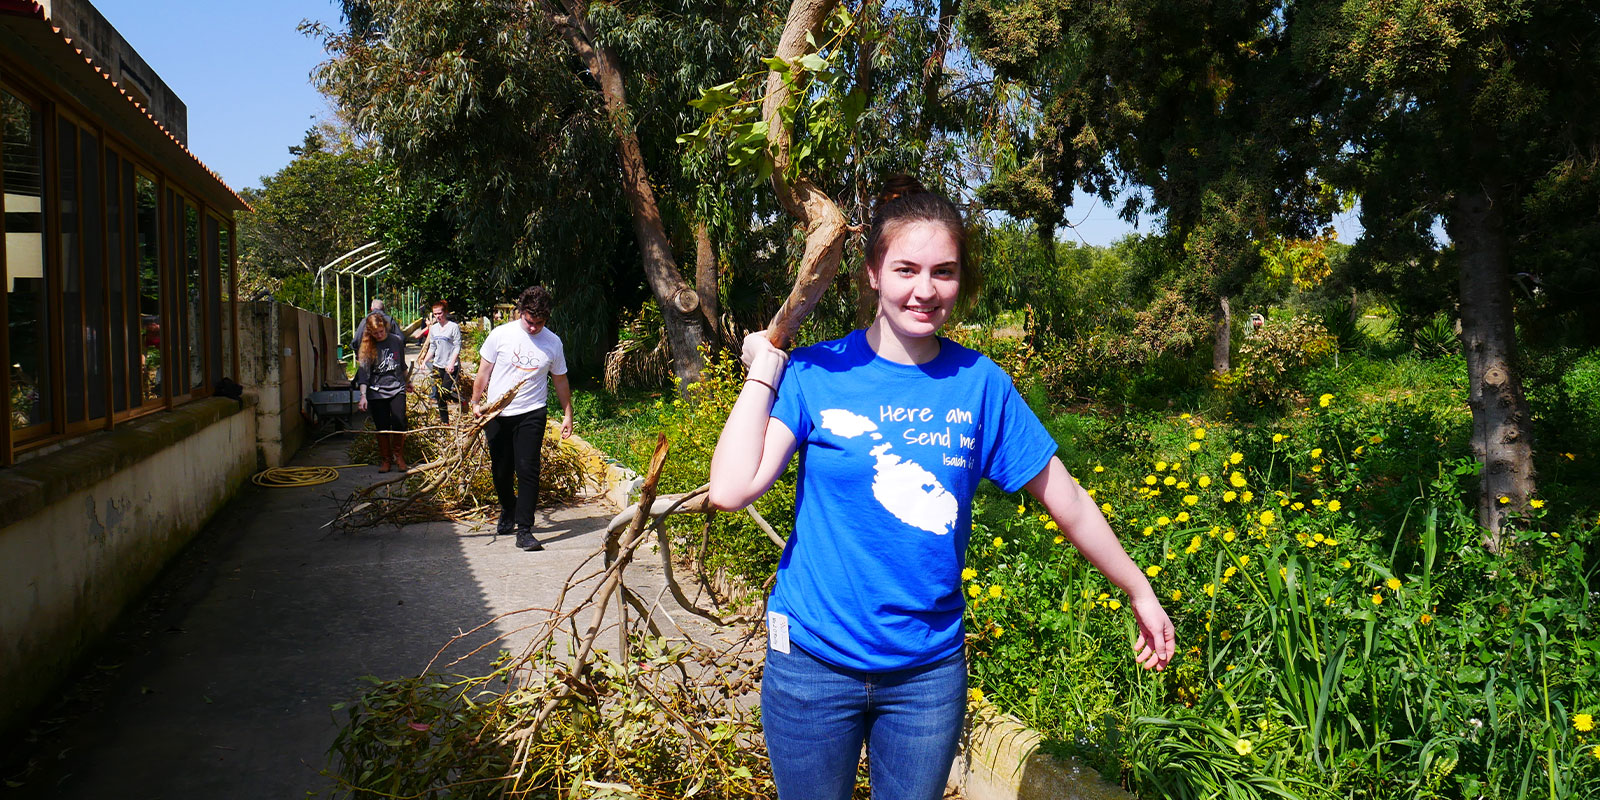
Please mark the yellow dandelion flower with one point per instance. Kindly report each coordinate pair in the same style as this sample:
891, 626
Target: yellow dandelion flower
1504, 499
1184, 415
1319, 538
1283, 503
999, 542
1569, 456
1247, 495
1168, 481
1204, 481
975, 695
1229, 668
1596, 751
1316, 467
1377, 599
1104, 596
1325, 400
1098, 468
1183, 516
1316, 452
1360, 448
1161, 466
1267, 518
1176, 595
974, 590
1536, 503
1299, 506
1163, 521
1425, 619
1237, 480
1235, 458
968, 574
1148, 530
1229, 496
1210, 590
995, 591
1225, 635
1183, 484
1215, 529
1393, 584
1230, 535
1327, 601
1152, 570
1244, 561
1022, 509
1242, 747
1194, 447
1334, 505
1583, 723
1093, 492
1114, 605
1376, 439
1316, 501
1229, 572
1060, 539
1345, 564
1052, 526
1150, 480
998, 630
1277, 438
1199, 433
1283, 573
1190, 499
1105, 508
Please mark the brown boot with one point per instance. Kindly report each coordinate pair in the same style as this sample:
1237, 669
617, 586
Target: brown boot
383, 452
397, 447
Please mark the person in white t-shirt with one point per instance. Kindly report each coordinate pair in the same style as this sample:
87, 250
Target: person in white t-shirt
444, 357
523, 355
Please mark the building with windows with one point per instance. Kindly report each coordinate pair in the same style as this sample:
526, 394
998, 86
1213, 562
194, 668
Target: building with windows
117, 326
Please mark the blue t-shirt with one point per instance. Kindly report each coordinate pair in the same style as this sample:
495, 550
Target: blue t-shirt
890, 456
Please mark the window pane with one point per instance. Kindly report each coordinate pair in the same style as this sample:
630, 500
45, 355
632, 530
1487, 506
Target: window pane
71, 270
117, 326
216, 294
27, 295
225, 290
148, 222
173, 270
193, 323
94, 279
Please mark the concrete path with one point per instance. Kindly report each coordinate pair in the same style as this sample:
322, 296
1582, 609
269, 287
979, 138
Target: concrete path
220, 684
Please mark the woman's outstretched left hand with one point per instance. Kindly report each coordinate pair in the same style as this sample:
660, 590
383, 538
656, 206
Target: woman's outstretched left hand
1157, 640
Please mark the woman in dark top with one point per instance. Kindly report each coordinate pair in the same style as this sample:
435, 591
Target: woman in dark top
383, 381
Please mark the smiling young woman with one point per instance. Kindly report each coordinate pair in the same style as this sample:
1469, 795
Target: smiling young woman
896, 426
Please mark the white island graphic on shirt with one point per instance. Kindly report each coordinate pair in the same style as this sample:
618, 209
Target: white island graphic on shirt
906, 490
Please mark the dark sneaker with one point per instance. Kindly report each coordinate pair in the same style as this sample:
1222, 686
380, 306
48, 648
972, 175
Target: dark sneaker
526, 541
503, 528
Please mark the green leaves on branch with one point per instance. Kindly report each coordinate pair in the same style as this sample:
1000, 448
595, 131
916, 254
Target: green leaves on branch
820, 113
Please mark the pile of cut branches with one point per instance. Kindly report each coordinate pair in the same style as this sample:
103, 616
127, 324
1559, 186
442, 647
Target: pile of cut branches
664, 714
450, 476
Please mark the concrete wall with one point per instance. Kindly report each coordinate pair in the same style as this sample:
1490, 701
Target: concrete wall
90, 32
285, 353
85, 529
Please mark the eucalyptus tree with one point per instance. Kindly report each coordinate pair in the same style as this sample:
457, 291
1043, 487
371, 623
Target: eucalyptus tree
534, 107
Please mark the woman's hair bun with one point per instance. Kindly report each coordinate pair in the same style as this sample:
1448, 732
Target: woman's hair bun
898, 186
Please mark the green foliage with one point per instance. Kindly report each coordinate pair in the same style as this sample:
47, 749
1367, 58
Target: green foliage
641, 736
1437, 337
1336, 639
1273, 358
310, 212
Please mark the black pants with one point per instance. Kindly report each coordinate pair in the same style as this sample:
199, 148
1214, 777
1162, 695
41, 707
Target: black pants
444, 390
514, 444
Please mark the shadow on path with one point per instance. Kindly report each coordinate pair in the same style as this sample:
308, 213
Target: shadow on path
219, 684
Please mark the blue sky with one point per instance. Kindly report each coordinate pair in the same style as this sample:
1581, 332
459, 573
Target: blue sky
244, 70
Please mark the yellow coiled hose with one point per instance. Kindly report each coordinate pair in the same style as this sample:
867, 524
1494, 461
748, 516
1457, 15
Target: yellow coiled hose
282, 477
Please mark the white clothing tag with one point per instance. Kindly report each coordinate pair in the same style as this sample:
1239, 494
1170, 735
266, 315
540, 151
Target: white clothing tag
778, 632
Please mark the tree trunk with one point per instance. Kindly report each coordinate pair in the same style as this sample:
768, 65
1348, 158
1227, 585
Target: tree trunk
680, 303
825, 226
1222, 341
1502, 424
705, 278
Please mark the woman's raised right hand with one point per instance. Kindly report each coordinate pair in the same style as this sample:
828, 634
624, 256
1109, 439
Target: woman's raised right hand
762, 360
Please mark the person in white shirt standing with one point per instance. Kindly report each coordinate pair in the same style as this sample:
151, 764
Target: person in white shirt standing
444, 337
525, 355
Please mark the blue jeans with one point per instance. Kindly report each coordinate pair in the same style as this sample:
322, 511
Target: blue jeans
816, 717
